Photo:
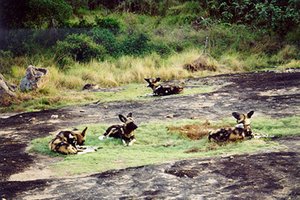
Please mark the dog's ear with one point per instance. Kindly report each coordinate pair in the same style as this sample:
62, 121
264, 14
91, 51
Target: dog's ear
157, 79
129, 115
236, 115
249, 114
84, 132
122, 118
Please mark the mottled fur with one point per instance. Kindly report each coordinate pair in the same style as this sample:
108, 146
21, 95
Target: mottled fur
241, 131
161, 90
125, 132
65, 142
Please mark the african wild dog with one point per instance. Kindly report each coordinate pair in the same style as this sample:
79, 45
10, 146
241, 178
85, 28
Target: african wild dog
241, 131
66, 142
125, 132
90, 86
161, 90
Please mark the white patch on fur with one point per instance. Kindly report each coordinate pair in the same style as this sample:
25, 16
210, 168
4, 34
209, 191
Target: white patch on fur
124, 143
87, 149
102, 137
239, 126
131, 142
71, 136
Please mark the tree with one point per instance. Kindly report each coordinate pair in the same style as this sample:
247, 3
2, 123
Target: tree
33, 13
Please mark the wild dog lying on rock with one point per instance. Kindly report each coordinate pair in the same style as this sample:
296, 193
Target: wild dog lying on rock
241, 131
66, 142
125, 132
161, 90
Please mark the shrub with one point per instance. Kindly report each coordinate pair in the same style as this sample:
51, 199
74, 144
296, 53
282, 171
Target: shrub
80, 47
136, 44
109, 23
161, 48
33, 13
106, 38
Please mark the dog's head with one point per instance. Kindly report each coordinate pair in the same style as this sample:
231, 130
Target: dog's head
243, 120
152, 82
128, 122
79, 136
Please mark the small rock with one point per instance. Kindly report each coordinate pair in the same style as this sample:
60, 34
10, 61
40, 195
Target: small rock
169, 116
54, 117
32, 120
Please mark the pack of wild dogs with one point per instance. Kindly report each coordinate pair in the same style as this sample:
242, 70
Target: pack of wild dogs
72, 141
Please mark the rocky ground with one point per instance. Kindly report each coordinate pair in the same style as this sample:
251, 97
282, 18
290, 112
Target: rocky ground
270, 175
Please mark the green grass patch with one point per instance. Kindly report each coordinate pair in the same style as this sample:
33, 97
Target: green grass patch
277, 127
155, 144
139, 92
130, 92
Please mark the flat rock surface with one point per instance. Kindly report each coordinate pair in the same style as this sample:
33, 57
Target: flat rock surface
270, 175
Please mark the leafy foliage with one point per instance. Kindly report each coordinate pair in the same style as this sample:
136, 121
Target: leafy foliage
106, 38
136, 44
80, 47
34, 13
109, 23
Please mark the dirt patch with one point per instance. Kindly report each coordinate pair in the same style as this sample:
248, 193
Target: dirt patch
204, 62
242, 177
13, 157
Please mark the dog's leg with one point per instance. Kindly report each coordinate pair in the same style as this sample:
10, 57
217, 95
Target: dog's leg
131, 142
124, 142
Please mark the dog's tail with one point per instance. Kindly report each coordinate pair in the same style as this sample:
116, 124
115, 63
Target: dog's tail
210, 135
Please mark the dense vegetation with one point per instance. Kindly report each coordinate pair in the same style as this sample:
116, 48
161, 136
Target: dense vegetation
78, 39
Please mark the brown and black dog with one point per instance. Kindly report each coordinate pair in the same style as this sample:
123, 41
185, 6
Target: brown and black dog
161, 90
125, 132
241, 131
65, 142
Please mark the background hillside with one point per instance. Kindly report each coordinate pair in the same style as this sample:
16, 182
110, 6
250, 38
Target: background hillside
115, 42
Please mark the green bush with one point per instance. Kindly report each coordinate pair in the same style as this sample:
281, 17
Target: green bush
80, 47
106, 38
65, 62
112, 24
33, 13
161, 49
136, 44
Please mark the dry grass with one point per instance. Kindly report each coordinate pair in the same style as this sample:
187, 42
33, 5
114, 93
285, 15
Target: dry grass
293, 64
126, 70
194, 131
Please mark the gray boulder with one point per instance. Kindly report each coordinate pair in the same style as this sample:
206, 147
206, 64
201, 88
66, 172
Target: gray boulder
7, 91
33, 79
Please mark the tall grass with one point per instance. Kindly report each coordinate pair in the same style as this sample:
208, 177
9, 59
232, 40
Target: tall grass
128, 69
